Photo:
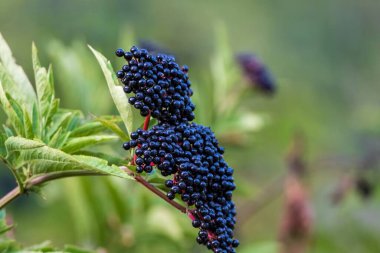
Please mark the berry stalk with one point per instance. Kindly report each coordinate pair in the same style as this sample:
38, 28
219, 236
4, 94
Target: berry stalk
153, 189
145, 127
146, 122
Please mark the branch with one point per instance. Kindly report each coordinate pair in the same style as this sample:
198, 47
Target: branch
10, 197
29, 184
153, 189
16, 192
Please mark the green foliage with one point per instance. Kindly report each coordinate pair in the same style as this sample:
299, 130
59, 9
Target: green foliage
131, 118
232, 119
39, 137
30, 157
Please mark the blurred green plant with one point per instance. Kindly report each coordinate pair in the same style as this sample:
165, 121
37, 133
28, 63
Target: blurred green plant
226, 95
7, 244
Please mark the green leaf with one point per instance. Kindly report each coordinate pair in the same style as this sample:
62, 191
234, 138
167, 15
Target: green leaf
111, 125
111, 159
44, 87
23, 117
36, 121
10, 112
100, 165
54, 140
131, 117
20, 85
3, 151
78, 143
41, 247
52, 111
60, 120
76, 249
28, 125
88, 128
41, 159
8, 132
16, 108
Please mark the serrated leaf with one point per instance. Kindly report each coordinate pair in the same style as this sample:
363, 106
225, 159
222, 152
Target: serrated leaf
28, 125
78, 143
88, 128
62, 139
59, 120
54, 140
45, 89
36, 121
131, 117
16, 108
111, 159
111, 125
23, 117
8, 132
3, 151
21, 85
52, 111
74, 121
101, 165
9, 111
41, 159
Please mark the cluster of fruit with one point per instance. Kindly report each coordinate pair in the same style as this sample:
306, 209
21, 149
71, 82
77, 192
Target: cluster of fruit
186, 152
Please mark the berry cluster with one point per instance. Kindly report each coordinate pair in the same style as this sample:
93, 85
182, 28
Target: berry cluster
187, 152
160, 86
256, 72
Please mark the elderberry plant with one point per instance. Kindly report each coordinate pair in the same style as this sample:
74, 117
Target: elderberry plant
41, 142
186, 152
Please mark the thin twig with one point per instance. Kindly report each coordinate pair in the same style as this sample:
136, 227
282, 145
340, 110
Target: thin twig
153, 189
17, 191
9, 197
65, 174
146, 122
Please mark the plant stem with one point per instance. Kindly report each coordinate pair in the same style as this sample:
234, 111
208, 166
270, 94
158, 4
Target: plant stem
145, 127
17, 191
156, 191
146, 122
146, 184
9, 197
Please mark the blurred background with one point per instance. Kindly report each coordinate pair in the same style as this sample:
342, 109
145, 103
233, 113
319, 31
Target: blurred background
306, 154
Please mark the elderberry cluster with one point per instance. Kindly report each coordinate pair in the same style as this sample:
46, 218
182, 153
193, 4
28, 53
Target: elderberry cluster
160, 86
187, 152
256, 72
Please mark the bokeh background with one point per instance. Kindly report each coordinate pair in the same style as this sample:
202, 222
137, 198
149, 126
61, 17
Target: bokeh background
323, 118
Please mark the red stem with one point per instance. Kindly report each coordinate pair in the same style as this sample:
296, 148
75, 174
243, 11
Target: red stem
150, 187
145, 127
146, 122
156, 191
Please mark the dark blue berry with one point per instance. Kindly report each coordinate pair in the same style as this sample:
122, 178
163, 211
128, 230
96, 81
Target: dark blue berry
119, 52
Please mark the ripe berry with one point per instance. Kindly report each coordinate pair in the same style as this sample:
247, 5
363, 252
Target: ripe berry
119, 52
